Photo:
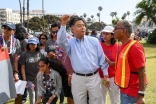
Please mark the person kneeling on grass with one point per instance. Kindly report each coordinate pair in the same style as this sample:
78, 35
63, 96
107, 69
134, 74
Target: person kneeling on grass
49, 83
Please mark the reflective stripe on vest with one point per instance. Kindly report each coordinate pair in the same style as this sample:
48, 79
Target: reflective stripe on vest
122, 74
124, 63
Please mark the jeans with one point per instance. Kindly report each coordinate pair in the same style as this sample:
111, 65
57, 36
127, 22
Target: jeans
62, 96
126, 99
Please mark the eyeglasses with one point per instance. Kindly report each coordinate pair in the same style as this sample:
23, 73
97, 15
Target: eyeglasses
43, 38
118, 28
9, 29
53, 32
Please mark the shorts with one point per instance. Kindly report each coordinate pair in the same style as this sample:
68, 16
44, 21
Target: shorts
66, 88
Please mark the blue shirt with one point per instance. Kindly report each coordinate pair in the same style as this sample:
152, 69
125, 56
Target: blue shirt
86, 55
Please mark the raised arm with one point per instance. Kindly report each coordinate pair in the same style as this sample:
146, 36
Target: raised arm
62, 39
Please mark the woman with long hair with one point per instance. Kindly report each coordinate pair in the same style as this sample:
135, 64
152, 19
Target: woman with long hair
43, 39
49, 83
29, 62
110, 49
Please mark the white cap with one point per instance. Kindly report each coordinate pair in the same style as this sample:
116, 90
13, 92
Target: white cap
108, 29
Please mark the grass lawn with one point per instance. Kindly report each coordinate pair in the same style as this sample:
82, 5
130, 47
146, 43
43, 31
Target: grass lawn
150, 53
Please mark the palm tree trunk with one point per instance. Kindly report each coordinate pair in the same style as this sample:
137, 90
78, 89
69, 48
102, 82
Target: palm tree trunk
43, 12
23, 11
28, 15
20, 11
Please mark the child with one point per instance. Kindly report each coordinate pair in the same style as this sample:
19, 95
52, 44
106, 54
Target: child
29, 69
49, 83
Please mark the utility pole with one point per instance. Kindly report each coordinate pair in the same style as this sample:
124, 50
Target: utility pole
43, 12
28, 15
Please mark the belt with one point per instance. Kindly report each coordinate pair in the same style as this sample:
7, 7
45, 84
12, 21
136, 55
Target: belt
89, 74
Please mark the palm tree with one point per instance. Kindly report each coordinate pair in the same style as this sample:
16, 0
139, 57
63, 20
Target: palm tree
115, 13
92, 17
20, 11
23, 11
100, 9
84, 15
28, 15
124, 16
98, 14
43, 12
145, 8
112, 15
81, 16
88, 19
128, 13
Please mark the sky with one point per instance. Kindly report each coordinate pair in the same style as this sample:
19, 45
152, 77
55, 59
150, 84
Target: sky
90, 7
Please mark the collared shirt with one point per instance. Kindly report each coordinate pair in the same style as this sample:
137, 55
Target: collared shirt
86, 55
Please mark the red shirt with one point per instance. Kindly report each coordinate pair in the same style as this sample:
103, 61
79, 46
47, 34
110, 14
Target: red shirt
111, 53
136, 59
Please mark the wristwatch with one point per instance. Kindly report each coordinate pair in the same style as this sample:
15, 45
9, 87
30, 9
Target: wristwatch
141, 93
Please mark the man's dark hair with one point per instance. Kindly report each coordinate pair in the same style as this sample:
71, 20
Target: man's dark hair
37, 48
20, 33
94, 32
73, 20
56, 24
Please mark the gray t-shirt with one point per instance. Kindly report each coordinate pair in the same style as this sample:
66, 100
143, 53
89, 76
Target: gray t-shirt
30, 60
23, 44
50, 46
17, 50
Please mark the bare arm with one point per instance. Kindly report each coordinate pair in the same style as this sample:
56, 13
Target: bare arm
142, 85
23, 72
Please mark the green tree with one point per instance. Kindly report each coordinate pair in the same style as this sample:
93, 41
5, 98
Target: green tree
128, 13
145, 8
51, 19
98, 14
115, 21
115, 14
88, 19
36, 23
92, 16
97, 26
100, 9
152, 37
84, 15
112, 15
124, 16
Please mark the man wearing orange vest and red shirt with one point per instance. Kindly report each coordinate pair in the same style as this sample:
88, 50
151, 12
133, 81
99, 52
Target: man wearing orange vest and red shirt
130, 66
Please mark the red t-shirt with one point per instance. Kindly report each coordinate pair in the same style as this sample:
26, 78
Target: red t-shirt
111, 53
136, 59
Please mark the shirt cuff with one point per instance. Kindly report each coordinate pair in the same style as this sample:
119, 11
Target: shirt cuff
105, 72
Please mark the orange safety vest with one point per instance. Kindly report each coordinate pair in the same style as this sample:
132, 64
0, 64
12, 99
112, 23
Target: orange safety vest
122, 73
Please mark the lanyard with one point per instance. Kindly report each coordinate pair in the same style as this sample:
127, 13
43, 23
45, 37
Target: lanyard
12, 44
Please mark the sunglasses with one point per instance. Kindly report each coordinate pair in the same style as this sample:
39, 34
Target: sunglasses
39, 67
53, 32
9, 29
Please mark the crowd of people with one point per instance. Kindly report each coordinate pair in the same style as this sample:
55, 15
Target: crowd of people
83, 68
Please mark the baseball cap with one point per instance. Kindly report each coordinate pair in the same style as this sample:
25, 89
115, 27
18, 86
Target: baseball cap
108, 29
10, 24
33, 40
